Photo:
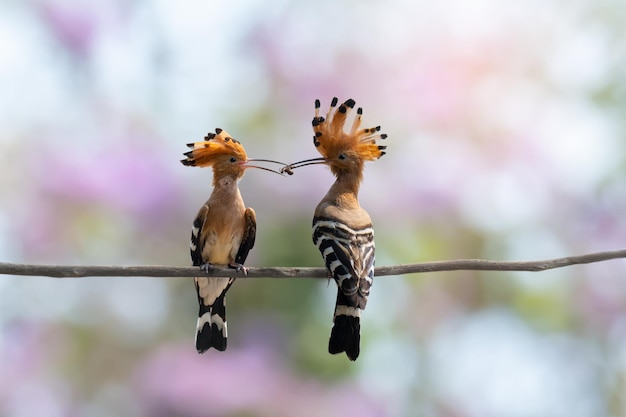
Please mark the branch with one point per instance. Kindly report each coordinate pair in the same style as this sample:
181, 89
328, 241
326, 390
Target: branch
69, 271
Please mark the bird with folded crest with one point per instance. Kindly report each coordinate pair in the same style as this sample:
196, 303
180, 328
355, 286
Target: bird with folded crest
223, 232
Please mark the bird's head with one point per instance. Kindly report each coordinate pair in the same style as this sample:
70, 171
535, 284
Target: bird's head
344, 152
224, 154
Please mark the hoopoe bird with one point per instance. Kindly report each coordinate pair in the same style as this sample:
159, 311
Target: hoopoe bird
223, 232
342, 229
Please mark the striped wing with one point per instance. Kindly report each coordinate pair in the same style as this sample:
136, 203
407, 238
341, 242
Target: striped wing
249, 236
195, 246
349, 256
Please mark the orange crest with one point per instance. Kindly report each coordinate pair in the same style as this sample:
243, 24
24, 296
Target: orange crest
215, 145
330, 138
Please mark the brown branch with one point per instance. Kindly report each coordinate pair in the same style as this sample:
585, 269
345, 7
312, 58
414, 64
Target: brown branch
69, 271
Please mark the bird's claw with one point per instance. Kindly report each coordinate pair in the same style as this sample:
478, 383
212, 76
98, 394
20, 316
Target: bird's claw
239, 268
207, 267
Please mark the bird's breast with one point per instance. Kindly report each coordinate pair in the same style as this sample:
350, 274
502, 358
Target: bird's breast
220, 248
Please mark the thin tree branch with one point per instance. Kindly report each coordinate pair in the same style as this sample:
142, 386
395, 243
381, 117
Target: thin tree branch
69, 271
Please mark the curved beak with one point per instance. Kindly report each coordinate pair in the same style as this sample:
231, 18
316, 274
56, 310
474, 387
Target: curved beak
281, 172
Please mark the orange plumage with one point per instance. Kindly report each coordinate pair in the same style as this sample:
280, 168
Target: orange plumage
214, 146
331, 140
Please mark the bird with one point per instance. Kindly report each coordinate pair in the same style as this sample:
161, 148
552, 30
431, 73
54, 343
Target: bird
223, 232
342, 229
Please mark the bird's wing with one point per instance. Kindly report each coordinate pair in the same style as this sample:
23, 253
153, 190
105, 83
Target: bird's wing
348, 253
197, 244
249, 236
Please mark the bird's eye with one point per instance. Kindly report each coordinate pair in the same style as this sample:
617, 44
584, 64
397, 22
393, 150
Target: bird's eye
233, 159
342, 157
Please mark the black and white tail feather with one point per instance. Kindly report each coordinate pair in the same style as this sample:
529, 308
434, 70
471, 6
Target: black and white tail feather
349, 257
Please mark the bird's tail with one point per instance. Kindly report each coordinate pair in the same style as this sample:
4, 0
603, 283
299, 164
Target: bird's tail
211, 330
346, 333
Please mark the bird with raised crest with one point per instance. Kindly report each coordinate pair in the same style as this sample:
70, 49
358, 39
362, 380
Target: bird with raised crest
342, 229
223, 232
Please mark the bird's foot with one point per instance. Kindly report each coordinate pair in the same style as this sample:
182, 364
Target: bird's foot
207, 267
238, 267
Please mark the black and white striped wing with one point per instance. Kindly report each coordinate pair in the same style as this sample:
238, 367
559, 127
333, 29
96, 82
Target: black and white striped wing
349, 256
196, 246
249, 236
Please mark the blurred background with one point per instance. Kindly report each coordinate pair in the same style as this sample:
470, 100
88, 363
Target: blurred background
506, 124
